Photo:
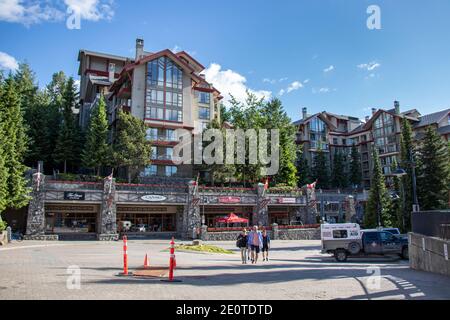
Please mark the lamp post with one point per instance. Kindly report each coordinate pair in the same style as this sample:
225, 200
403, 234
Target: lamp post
398, 174
416, 206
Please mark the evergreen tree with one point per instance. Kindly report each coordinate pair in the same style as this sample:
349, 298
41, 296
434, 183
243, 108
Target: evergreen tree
37, 119
339, 176
3, 168
303, 170
379, 203
131, 149
320, 171
67, 148
407, 150
97, 152
433, 171
27, 89
14, 141
274, 117
225, 115
355, 167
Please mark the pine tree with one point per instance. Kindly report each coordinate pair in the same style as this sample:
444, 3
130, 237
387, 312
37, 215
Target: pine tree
274, 117
14, 142
131, 149
379, 203
3, 169
433, 171
303, 170
320, 171
355, 167
397, 209
67, 148
97, 152
27, 89
339, 177
406, 151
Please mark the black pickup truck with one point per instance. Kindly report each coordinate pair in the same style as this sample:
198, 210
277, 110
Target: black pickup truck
372, 243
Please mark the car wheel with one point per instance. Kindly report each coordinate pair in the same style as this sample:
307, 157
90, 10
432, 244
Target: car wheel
354, 248
340, 255
405, 253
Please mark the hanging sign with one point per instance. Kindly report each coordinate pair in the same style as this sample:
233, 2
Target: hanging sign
229, 200
74, 195
153, 198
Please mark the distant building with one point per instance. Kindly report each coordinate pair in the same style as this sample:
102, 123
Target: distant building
338, 133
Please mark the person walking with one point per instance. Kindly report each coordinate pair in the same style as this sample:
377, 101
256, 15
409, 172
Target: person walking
266, 245
256, 243
242, 243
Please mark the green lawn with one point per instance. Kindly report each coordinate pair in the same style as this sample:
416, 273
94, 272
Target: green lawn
203, 248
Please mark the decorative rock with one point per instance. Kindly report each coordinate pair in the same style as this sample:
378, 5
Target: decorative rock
197, 242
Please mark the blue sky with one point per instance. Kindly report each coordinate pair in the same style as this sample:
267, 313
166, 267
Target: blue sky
321, 50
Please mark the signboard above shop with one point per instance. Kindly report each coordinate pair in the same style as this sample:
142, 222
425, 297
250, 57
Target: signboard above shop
74, 195
229, 200
287, 200
153, 198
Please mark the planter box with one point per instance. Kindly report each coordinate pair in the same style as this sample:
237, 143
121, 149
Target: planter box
3, 238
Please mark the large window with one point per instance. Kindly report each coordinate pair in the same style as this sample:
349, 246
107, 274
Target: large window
151, 170
164, 96
171, 171
152, 134
204, 97
203, 113
318, 134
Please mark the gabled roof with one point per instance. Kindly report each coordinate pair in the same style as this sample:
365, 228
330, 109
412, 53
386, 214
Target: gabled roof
322, 117
432, 118
188, 57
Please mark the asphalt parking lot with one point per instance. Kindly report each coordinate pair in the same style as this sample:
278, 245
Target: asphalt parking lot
296, 270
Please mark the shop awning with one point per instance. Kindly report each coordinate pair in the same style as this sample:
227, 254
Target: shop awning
232, 218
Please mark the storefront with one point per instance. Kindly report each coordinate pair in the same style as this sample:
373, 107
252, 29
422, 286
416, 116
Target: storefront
71, 218
212, 212
147, 218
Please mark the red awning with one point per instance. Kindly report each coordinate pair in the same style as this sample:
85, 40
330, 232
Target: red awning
232, 218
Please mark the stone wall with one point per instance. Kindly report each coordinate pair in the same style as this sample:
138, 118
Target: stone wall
429, 254
299, 234
274, 234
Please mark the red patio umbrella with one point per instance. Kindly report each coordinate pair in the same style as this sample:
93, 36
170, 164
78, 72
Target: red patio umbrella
232, 218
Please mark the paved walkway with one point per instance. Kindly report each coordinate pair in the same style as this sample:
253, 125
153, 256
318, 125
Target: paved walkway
37, 270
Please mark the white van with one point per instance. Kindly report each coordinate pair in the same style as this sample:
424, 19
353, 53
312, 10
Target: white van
341, 235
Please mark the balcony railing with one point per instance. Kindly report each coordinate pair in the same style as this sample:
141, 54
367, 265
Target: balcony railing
162, 138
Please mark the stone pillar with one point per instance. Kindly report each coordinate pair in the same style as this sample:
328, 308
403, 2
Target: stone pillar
261, 215
275, 230
204, 233
191, 214
350, 211
108, 213
36, 209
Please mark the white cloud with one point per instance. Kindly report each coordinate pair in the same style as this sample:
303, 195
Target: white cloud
29, 12
283, 79
330, 68
369, 66
8, 62
294, 86
306, 81
271, 81
231, 83
322, 90
92, 10
281, 92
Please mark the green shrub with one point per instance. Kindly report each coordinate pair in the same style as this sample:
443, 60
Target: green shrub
3, 225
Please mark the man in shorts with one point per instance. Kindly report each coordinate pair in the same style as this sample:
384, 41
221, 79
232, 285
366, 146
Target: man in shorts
255, 241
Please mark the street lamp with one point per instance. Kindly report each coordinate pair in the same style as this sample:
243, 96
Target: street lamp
399, 173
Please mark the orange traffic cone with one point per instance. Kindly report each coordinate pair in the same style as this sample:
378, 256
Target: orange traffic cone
146, 264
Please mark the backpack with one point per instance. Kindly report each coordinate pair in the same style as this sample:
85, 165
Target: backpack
239, 241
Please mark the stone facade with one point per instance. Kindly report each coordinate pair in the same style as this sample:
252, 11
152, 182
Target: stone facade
107, 196
108, 215
36, 210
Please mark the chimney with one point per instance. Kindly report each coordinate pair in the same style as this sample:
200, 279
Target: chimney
305, 113
111, 72
367, 119
139, 48
374, 111
397, 107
